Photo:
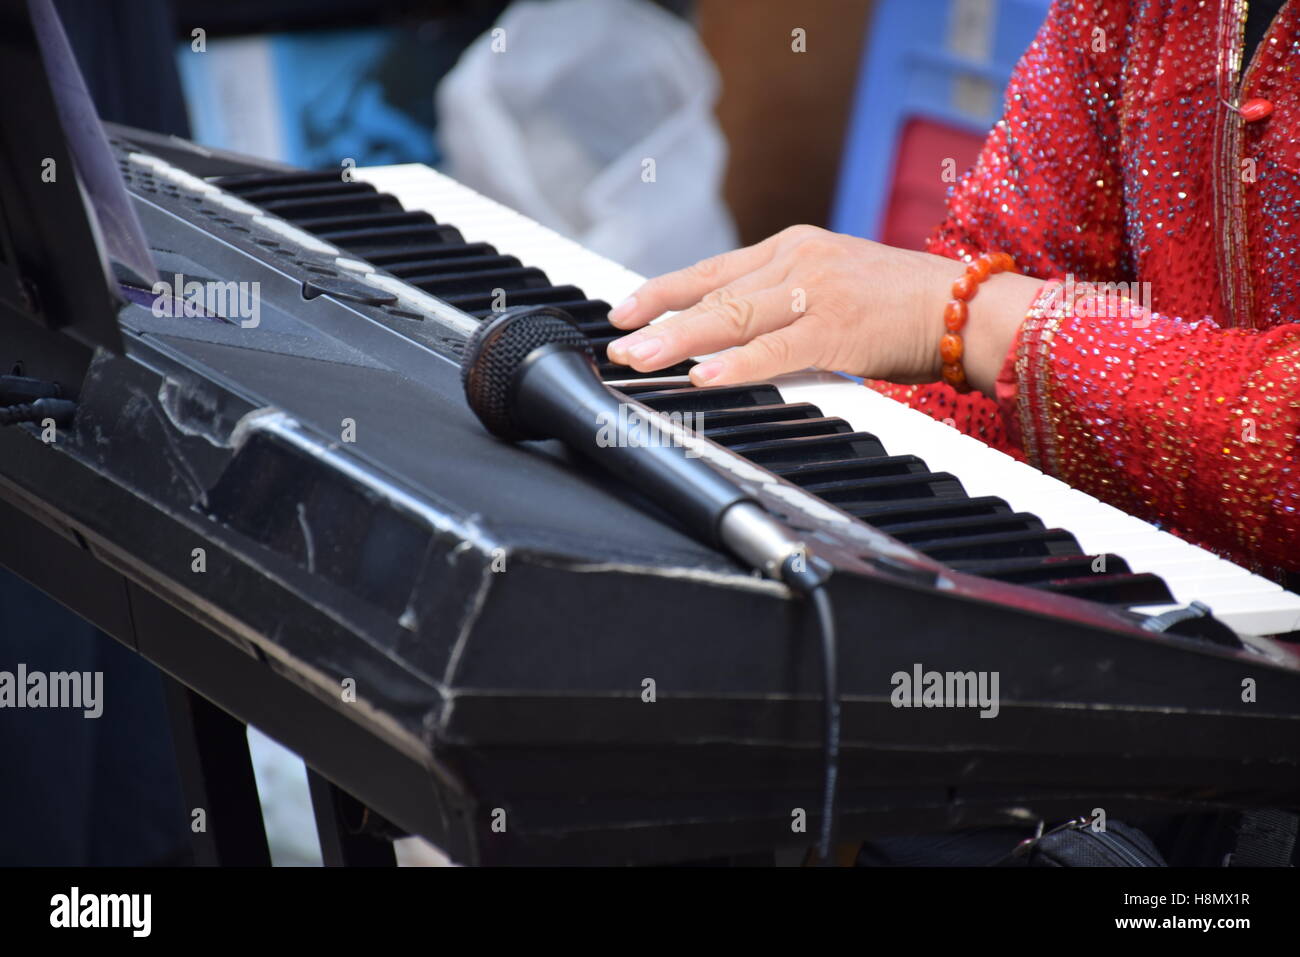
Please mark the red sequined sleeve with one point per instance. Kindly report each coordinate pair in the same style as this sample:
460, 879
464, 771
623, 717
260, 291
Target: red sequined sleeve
1034, 191
1178, 421
1182, 423
1047, 186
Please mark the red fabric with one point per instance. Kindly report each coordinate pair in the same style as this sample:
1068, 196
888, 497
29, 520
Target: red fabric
1176, 398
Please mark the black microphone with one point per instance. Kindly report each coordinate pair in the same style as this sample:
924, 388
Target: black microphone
529, 373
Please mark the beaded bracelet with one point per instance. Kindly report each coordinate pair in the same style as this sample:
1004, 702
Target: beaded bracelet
951, 348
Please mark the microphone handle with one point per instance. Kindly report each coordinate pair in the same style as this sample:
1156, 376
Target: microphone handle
558, 393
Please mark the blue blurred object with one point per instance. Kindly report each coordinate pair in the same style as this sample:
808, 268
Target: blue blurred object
314, 99
936, 69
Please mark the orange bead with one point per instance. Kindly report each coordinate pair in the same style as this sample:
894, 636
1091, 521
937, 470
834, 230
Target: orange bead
964, 288
954, 315
950, 349
954, 375
1256, 109
980, 269
1002, 262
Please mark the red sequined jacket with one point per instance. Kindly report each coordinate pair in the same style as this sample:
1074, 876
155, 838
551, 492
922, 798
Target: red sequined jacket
1173, 393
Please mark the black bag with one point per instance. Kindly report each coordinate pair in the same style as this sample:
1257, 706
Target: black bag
1077, 844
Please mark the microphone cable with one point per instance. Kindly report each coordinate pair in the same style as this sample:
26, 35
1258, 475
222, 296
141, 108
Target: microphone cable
60, 410
24, 399
808, 577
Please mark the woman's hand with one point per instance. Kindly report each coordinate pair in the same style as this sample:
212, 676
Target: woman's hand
808, 297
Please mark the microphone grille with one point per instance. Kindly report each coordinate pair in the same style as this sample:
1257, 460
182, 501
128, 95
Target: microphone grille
498, 348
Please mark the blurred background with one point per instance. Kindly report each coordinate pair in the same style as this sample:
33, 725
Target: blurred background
747, 115
850, 114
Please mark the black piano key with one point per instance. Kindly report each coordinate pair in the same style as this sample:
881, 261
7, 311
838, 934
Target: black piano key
482, 281
613, 372
839, 470
751, 432
362, 242
589, 315
264, 193
886, 514
296, 209
753, 414
690, 399
652, 388
488, 301
242, 182
1029, 571
600, 342
968, 526
328, 226
434, 251
850, 494
1142, 588
816, 448
1053, 541
435, 267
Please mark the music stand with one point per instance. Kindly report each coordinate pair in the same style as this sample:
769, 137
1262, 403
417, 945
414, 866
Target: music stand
68, 231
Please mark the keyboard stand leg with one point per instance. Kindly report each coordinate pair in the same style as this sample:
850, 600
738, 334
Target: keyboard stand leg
337, 816
216, 774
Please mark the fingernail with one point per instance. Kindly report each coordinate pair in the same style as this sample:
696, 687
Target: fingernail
623, 309
631, 347
706, 371
642, 349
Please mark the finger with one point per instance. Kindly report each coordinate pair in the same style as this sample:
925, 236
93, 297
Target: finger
686, 287
721, 321
788, 349
726, 317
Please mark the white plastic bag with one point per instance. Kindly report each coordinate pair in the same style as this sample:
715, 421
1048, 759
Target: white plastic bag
595, 118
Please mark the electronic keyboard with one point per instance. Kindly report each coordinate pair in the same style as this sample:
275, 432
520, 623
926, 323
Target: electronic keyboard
1248, 603
500, 649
